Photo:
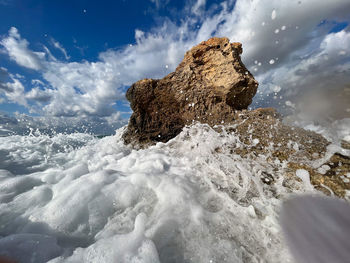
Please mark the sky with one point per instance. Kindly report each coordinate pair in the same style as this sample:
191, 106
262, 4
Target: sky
72, 61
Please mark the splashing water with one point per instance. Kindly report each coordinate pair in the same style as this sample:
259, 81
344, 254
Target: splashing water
76, 198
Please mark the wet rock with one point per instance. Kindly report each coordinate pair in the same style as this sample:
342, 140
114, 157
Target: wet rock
345, 144
209, 85
212, 86
263, 132
335, 177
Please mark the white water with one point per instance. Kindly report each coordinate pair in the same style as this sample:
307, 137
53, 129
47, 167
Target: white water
76, 198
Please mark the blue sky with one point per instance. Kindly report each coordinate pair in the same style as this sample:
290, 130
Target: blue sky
83, 28
75, 59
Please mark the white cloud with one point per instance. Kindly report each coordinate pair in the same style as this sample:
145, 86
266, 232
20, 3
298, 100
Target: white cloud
17, 49
49, 54
325, 65
14, 91
85, 89
37, 82
316, 83
57, 45
11, 88
38, 95
198, 7
245, 24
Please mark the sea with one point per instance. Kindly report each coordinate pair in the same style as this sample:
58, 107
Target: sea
79, 197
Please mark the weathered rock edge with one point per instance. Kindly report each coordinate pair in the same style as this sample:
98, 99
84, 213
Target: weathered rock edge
209, 85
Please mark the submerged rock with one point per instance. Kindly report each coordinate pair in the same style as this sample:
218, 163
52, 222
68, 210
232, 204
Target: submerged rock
208, 86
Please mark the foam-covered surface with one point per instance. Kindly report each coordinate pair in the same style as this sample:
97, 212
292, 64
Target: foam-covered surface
75, 198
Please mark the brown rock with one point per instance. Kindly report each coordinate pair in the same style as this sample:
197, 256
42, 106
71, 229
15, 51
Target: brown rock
208, 86
297, 147
273, 137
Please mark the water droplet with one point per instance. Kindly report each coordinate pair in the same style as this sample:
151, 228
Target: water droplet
277, 89
273, 14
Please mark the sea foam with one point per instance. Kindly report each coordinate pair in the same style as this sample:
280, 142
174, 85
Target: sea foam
76, 198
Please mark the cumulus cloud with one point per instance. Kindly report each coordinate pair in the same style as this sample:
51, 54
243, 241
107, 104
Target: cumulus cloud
85, 89
38, 95
287, 44
295, 25
17, 49
11, 88
318, 84
92, 88
329, 64
14, 91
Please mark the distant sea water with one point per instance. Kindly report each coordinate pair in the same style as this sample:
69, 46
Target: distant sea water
78, 197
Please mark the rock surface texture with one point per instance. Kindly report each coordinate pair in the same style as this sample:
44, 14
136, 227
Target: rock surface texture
263, 134
208, 86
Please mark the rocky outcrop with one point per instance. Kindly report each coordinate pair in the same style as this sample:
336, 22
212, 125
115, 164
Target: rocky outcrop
208, 86
211, 85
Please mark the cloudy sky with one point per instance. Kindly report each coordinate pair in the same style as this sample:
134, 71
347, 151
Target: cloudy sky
75, 59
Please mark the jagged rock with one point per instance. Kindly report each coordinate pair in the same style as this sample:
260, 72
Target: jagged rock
208, 86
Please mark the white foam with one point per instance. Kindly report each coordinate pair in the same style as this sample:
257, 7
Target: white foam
305, 177
98, 200
29, 247
346, 138
323, 169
